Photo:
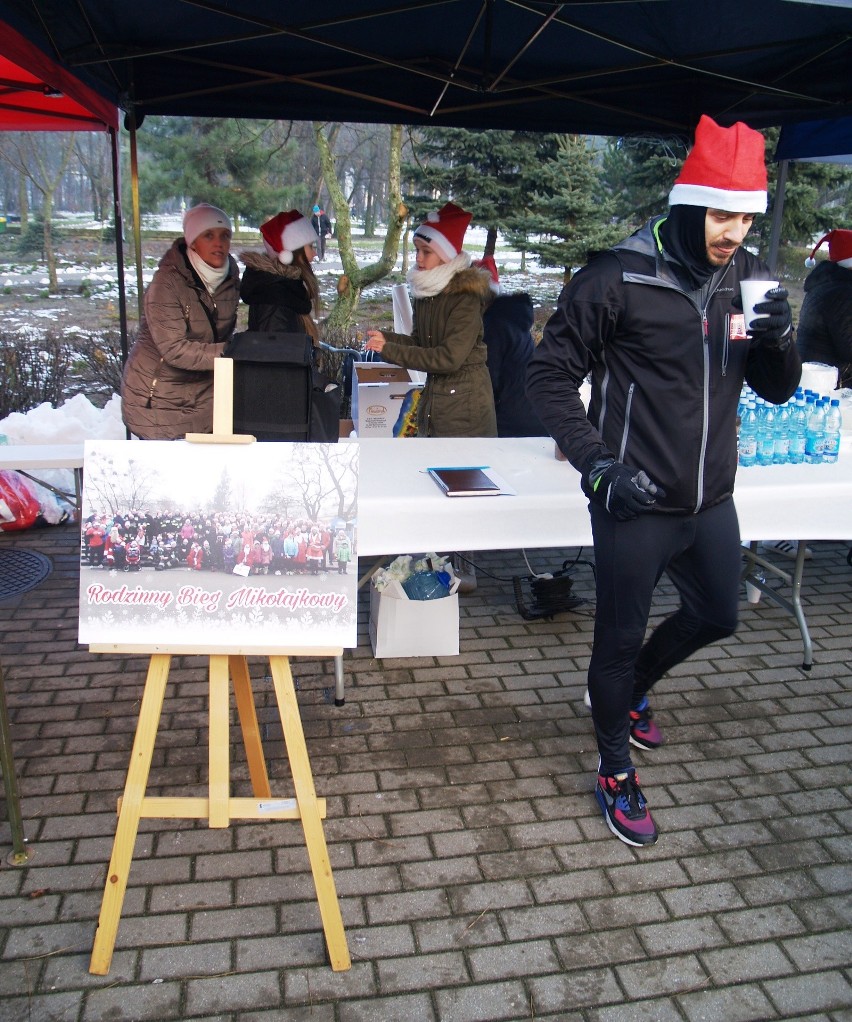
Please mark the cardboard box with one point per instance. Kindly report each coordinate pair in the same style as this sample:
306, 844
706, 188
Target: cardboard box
379, 390
400, 627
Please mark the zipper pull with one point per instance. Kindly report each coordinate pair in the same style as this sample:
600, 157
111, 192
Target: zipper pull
704, 324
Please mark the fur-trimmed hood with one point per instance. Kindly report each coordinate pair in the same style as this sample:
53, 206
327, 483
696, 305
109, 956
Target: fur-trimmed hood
263, 263
473, 280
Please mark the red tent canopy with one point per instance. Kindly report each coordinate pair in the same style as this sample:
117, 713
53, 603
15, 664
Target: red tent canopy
38, 95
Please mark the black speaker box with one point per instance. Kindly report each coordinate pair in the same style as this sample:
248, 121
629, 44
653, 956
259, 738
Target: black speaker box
272, 384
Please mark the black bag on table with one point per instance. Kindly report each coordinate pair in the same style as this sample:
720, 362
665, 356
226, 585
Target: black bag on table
279, 394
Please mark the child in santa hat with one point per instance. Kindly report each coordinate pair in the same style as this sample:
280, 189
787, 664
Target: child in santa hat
446, 339
279, 285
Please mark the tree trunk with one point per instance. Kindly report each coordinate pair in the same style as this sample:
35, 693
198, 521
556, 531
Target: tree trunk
490, 242
355, 278
23, 204
49, 252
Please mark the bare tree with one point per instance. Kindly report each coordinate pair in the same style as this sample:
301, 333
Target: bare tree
35, 158
355, 278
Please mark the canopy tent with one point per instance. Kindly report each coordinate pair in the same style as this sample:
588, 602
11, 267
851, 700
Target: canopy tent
36, 94
828, 141
609, 67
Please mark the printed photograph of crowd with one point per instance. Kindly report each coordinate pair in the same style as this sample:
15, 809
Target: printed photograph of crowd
205, 543
216, 542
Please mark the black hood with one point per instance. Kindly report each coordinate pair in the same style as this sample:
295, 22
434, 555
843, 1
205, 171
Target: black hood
683, 236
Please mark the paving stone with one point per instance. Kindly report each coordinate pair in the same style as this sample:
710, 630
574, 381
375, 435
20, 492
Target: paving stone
476, 878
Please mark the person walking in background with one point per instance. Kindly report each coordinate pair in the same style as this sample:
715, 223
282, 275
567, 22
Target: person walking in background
279, 285
446, 339
658, 323
322, 225
190, 314
825, 324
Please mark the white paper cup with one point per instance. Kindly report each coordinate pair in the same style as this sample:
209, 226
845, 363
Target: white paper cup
754, 292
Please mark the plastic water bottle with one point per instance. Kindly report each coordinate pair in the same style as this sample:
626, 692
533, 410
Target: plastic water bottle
815, 434
747, 446
798, 430
765, 433
833, 425
781, 454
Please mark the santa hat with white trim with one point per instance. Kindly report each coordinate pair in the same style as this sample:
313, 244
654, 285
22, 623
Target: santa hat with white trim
286, 233
839, 248
725, 169
444, 230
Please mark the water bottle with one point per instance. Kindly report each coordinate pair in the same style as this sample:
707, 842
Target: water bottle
781, 454
748, 437
815, 434
765, 433
833, 425
798, 429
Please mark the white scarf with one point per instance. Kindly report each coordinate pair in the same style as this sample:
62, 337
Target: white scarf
428, 283
211, 276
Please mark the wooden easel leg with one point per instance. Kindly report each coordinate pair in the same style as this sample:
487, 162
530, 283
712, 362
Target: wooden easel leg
128, 817
219, 752
306, 797
248, 722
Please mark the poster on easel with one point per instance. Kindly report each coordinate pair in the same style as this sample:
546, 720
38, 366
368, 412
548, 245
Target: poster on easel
206, 545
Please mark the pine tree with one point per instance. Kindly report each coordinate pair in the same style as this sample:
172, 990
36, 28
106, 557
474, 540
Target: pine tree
566, 216
482, 171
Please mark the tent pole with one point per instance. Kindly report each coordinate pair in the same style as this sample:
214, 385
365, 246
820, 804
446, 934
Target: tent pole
119, 239
130, 123
777, 215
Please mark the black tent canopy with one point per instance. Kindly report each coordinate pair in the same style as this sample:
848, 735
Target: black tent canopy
609, 67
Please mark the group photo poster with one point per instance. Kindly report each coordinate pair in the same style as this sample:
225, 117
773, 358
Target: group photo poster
249, 546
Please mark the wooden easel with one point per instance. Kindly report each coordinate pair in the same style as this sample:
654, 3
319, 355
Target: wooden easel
219, 807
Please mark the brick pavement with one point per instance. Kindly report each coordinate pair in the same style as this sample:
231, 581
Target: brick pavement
477, 880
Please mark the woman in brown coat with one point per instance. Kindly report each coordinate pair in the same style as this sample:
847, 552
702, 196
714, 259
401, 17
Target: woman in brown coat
446, 341
190, 313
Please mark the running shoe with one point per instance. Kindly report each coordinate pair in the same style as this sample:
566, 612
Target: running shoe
625, 809
644, 733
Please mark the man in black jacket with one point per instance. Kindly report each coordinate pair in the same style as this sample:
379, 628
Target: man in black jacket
657, 323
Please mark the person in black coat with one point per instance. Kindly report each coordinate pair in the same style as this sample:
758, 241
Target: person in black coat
507, 322
825, 324
279, 285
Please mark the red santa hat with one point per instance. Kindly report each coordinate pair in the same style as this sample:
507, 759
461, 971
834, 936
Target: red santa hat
839, 248
444, 230
724, 170
286, 233
487, 263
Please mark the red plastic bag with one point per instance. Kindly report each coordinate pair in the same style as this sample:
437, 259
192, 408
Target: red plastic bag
19, 506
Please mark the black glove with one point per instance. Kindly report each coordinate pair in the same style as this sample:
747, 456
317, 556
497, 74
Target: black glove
774, 330
623, 491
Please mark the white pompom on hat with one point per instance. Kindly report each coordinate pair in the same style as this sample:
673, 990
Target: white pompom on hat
286, 233
839, 248
201, 218
725, 169
444, 230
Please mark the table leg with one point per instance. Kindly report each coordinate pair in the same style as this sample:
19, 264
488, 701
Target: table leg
794, 604
339, 683
300, 767
10, 783
129, 815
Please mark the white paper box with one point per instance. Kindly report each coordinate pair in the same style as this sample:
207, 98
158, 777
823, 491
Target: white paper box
378, 393
413, 627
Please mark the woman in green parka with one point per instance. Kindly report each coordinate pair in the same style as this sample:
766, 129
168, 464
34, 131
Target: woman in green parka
446, 340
